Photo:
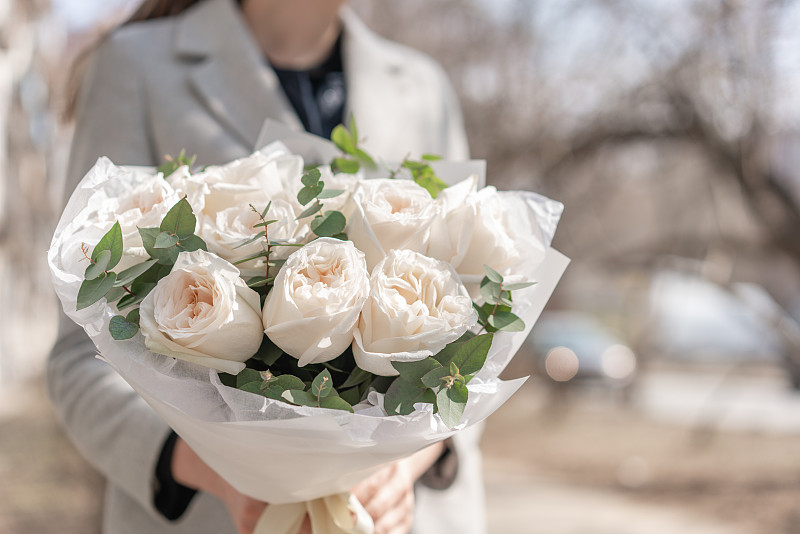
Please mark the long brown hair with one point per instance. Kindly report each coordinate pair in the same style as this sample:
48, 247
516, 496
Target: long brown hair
147, 10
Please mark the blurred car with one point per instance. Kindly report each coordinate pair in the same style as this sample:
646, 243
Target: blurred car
571, 347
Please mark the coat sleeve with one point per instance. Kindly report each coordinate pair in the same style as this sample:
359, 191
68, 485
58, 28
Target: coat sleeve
109, 423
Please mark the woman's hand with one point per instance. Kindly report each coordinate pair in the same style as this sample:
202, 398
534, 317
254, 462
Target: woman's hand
188, 469
388, 495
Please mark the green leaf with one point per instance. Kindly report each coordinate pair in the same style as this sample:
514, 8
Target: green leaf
133, 317
434, 378
99, 267
165, 240
343, 140
284, 382
246, 242
365, 158
471, 356
257, 281
414, 371
93, 290
507, 322
121, 329
111, 241
262, 254
352, 396
520, 285
311, 177
351, 120
309, 193
131, 273
300, 397
451, 403
330, 193
483, 315
310, 211
328, 224
247, 375
356, 377
268, 352
432, 183
192, 243
322, 386
490, 290
149, 236
493, 275
401, 397
346, 165
431, 157
335, 403
179, 219
115, 293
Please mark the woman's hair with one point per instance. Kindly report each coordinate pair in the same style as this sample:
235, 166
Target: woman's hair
147, 10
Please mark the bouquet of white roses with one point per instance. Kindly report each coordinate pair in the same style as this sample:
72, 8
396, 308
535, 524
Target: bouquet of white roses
266, 307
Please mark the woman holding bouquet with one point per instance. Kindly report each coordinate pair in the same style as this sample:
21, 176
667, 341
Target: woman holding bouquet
203, 75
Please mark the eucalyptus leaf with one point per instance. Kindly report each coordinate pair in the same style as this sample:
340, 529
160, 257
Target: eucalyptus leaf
401, 397
431, 157
507, 322
322, 386
165, 240
414, 371
330, 193
248, 375
93, 290
131, 273
328, 224
99, 266
335, 403
149, 236
133, 317
311, 177
435, 377
493, 275
269, 353
520, 285
285, 382
112, 242
451, 403
431, 183
192, 243
121, 329
346, 165
300, 397
309, 211
179, 220
309, 193
352, 396
343, 140
356, 377
471, 356
490, 291
246, 242
364, 158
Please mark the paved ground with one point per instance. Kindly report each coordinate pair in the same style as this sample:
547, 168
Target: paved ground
584, 465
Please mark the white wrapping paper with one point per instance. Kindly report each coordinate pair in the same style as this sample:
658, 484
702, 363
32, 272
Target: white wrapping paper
267, 449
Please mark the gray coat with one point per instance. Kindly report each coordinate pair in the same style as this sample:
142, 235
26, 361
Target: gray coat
198, 82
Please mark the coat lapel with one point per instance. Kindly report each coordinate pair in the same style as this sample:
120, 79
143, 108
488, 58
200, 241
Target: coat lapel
227, 73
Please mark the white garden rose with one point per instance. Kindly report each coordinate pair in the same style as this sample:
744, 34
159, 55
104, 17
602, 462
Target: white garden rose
416, 306
390, 214
227, 230
486, 227
204, 313
313, 307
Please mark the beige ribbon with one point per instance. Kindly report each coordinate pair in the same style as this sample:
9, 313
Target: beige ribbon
329, 515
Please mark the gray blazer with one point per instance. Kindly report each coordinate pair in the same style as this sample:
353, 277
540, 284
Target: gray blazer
198, 82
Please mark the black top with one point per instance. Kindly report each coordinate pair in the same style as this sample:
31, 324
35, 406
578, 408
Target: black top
318, 94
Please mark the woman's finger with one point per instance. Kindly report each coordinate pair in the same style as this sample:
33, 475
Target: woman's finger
397, 519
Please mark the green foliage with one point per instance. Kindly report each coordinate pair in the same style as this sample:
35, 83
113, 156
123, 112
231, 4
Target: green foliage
495, 314
93, 290
179, 220
423, 174
171, 164
124, 327
440, 380
328, 224
354, 157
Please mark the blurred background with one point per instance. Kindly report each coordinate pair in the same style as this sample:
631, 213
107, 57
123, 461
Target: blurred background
666, 369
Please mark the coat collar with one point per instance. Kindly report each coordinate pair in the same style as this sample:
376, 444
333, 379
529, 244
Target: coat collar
213, 39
